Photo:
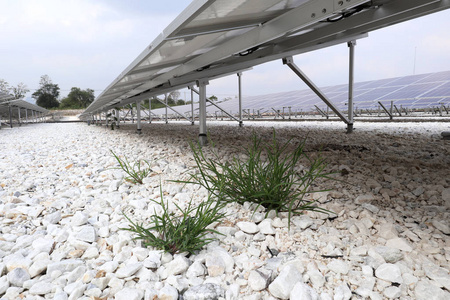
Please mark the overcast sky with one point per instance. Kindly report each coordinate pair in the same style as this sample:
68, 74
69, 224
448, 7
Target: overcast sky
88, 43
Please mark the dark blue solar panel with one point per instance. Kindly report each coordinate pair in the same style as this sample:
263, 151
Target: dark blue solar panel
435, 77
375, 94
440, 91
409, 91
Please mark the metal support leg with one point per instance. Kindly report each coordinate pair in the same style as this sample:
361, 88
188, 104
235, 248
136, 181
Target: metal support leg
165, 101
10, 116
240, 98
117, 115
149, 110
351, 46
18, 119
192, 106
138, 116
290, 62
202, 137
26, 115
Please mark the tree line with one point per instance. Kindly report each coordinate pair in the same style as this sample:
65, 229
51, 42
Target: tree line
47, 96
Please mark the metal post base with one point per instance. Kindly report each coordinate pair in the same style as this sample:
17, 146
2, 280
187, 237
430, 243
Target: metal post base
139, 131
349, 128
203, 139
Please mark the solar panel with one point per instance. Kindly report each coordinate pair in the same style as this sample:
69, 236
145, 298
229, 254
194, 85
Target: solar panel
211, 38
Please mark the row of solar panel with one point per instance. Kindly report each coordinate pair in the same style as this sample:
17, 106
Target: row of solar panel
414, 91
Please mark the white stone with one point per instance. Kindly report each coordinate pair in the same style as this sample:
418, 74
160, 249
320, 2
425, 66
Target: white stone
41, 288
259, 279
302, 291
79, 218
316, 278
67, 265
426, 291
177, 266
392, 292
265, 227
196, 269
342, 292
387, 231
207, 291
86, 234
338, 266
168, 293
399, 243
440, 275
129, 294
303, 221
43, 244
389, 272
282, 286
18, 276
128, 269
445, 228
4, 284
390, 255
248, 227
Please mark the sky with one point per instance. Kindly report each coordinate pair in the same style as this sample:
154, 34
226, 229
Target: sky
88, 43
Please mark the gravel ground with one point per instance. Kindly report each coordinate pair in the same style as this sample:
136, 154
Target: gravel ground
62, 204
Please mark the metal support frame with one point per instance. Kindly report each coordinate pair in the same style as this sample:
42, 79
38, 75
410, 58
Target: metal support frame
202, 137
18, 116
240, 97
165, 103
10, 116
322, 112
175, 111
192, 105
351, 69
117, 115
398, 111
276, 113
225, 112
386, 110
149, 110
289, 61
138, 117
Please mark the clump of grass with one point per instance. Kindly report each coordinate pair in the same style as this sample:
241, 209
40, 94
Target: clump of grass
186, 231
267, 175
136, 171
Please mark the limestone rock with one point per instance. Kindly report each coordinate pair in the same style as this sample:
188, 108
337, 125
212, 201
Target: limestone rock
302, 291
282, 286
389, 272
207, 291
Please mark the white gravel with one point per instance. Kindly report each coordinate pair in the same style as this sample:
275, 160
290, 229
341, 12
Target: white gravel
62, 204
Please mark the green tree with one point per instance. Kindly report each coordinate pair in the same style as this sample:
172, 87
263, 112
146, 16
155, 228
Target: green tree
20, 90
213, 98
4, 86
181, 102
78, 98
47, 94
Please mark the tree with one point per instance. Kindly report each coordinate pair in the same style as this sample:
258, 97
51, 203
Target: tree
213, 98
20, 90
181, 102
47, 94
78, 98
4, 86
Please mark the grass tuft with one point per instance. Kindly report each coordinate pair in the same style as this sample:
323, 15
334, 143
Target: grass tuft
267, 175
186, 232
136, 171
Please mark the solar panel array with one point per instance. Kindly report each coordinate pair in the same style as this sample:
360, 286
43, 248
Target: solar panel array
213, 38
6, 100
412, 92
